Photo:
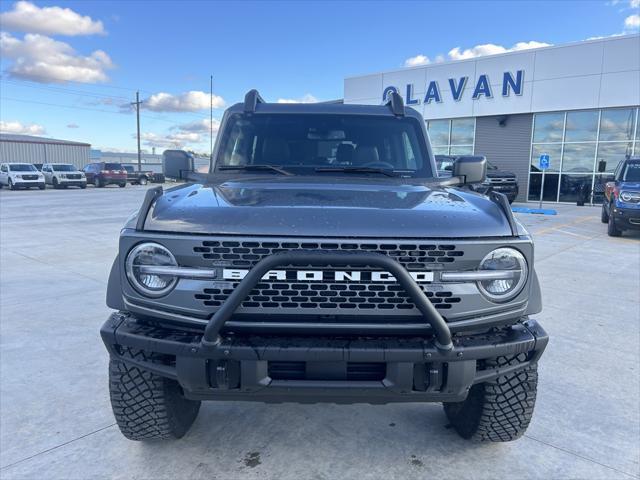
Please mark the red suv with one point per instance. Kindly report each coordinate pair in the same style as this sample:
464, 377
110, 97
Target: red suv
102, 174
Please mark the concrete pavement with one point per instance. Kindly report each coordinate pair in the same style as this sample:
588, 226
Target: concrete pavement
56, 421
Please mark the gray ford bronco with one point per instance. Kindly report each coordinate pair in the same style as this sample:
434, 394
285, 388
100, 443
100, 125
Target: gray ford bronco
322, 260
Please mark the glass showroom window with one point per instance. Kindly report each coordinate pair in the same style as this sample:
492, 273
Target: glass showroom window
452, 137
576, 142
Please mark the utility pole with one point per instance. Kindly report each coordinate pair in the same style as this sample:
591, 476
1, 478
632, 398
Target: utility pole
137, 103
211, 122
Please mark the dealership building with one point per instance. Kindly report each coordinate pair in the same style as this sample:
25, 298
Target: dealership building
578, 103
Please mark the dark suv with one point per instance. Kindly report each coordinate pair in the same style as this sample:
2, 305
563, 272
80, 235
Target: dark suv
102, 174
621, 204
322, 260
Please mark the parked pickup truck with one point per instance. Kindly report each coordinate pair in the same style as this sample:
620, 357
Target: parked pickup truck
142, 177
322, 260
497, 180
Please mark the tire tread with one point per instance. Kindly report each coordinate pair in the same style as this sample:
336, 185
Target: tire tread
499, 410
145, 405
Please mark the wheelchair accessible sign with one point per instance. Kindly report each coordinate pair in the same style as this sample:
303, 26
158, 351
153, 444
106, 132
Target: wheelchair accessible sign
543, 164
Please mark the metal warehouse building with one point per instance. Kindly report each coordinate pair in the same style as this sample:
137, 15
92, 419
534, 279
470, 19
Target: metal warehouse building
578, 103
29, 149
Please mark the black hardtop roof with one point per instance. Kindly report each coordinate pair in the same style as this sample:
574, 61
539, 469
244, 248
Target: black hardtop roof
323, 109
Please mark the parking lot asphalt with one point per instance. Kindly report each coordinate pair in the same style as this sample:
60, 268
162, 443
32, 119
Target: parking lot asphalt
56, 420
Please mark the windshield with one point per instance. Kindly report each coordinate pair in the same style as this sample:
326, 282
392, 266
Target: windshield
22, 167
64, 168
631, 172
113, 166
302, 143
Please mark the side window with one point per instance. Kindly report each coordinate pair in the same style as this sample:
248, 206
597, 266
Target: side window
3, 168
618, 173
408, 152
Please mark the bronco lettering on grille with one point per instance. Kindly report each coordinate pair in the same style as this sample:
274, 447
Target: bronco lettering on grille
326, 275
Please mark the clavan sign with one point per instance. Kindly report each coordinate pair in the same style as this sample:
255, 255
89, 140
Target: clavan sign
512, 84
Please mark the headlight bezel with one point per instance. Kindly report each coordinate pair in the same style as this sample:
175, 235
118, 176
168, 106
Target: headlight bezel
514, 291
132, 276
628, 196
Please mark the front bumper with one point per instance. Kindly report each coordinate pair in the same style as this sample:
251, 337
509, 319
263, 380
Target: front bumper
626, 218
320, 369
73, 183
28, 183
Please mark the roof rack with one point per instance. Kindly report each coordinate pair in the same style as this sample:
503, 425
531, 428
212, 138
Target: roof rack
396, 104
251, 99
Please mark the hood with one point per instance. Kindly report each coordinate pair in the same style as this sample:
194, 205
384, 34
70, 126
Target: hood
635, 186
326, 207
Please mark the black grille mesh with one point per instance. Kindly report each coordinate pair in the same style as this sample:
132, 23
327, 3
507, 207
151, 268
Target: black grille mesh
413, 256
347, 296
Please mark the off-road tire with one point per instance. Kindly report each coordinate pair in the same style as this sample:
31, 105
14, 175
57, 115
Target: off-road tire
12, 186
604, 216
98, 183
55, 183
499, 410
612, 230
147, 406
143, 180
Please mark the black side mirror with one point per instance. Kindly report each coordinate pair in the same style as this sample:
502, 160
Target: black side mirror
602, 166
472, 169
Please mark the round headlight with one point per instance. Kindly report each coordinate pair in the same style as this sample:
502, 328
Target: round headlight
149, 284
629, 196
507, 260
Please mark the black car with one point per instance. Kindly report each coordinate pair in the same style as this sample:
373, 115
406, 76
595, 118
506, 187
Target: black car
497, 180
322, 260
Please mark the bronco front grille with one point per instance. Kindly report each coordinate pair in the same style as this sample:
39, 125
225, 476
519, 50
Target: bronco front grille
413, 256
344, 296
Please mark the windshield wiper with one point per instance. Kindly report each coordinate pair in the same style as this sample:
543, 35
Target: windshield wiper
384, 171
250, 168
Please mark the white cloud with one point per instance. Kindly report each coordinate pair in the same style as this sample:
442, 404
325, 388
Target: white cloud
27, 17
171, 140
73, 125
478, 51
417, 60
43, 59
492, 49
306, 98
634, 3
19, 128
632, 22
199, 126
185, 102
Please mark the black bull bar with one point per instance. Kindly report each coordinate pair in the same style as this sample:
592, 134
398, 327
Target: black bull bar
443, 343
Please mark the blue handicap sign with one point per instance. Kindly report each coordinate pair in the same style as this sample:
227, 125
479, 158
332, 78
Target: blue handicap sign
544, 162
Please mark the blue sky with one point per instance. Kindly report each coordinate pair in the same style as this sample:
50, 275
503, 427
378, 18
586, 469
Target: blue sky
69, 69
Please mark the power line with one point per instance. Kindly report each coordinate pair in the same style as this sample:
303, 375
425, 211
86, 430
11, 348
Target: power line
89, 109
70, 91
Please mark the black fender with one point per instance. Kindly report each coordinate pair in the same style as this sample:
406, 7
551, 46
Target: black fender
114, 289
535, 296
